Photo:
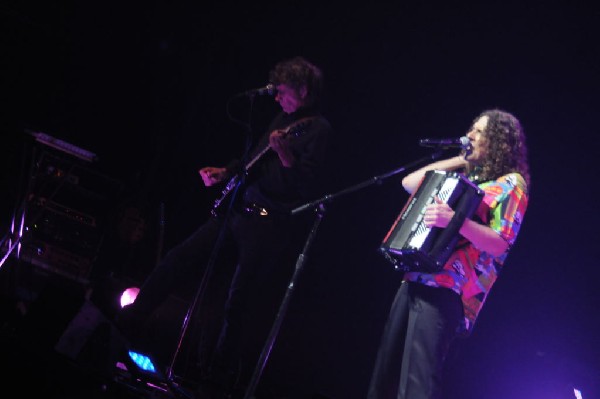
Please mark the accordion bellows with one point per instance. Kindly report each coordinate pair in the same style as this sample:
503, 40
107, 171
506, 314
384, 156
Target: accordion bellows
410, 245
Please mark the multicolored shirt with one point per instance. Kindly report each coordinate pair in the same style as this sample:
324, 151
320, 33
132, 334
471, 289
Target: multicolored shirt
471, 272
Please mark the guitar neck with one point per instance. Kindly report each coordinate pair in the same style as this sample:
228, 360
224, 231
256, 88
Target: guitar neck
233, 181
257, 157
286, 131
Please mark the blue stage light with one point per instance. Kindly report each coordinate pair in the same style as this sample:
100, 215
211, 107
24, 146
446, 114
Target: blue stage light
142, 361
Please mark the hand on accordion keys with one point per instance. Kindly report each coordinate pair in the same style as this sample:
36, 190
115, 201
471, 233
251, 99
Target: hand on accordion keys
438, 214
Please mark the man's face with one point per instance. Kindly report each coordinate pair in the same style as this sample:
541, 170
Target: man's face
479, 141
290, 99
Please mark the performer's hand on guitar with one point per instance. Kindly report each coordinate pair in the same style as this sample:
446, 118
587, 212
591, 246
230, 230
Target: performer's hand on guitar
279, 141
211, 175
438, 214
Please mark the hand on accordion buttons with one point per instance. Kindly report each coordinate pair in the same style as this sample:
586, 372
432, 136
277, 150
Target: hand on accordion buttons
438, 214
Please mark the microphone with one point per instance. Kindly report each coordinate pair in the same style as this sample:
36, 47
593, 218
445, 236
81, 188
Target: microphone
461, 142
268, 89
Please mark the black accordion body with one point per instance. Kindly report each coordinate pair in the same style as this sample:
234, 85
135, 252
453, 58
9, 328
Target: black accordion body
411, 246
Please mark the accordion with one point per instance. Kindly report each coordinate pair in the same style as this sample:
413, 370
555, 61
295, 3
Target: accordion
410, 245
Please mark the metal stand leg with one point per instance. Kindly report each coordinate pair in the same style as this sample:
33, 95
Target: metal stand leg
266, 351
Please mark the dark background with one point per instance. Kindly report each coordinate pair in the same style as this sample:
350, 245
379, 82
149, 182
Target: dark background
144, 85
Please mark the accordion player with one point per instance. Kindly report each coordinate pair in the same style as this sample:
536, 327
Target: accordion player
410, 245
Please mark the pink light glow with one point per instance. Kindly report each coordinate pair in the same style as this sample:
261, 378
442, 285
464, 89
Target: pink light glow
128, 296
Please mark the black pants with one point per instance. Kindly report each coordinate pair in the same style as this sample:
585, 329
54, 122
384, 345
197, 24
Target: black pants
264, 246
421, 325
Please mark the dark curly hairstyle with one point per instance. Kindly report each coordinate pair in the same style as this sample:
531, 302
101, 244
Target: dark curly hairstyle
507, 147
296, 72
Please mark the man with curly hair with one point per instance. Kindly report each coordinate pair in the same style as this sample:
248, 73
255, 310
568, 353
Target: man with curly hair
255, 226
431, 309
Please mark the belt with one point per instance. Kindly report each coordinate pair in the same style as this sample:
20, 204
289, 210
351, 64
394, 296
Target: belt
254, 209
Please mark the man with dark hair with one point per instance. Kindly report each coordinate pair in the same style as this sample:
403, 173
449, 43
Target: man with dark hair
432, 308
253, 219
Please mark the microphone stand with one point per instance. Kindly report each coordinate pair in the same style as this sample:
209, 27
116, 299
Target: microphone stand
198, 296
319, 207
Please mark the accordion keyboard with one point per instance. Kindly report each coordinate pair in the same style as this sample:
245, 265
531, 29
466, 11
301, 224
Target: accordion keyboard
421, 231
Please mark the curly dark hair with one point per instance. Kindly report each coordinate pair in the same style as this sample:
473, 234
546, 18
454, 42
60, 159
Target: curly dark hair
297, 72
507, 147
